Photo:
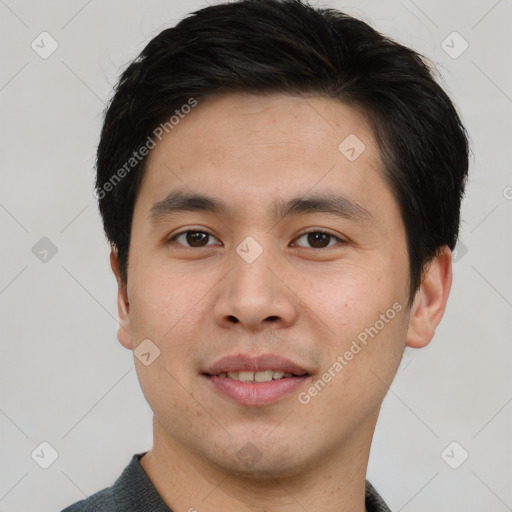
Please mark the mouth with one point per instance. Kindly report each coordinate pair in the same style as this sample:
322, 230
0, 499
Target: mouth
259, 376
256, 380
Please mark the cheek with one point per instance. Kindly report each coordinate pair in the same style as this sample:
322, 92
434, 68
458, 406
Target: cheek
362, 359
172, 311
361, 312
163, 301
350, 297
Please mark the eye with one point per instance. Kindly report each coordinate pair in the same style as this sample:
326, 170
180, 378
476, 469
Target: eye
192, 238
319, 239
196, 239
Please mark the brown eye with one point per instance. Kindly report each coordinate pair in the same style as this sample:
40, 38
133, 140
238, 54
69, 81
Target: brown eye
319, 239
192, 239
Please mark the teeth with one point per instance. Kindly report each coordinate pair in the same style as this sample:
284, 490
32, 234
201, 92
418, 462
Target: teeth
264, 376
261, 376
245, 376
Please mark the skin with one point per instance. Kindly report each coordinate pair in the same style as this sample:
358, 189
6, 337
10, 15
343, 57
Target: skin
296, 299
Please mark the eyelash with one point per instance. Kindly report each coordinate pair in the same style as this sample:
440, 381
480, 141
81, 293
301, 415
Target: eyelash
174, 237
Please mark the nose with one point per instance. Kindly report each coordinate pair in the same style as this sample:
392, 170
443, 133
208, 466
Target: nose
257, 294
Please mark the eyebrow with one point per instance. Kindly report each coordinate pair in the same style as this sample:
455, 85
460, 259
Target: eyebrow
181, 201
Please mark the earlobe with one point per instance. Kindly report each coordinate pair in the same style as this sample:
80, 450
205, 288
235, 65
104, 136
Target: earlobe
124, 332
430, 300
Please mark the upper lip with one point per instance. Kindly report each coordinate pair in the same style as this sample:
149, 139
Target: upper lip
255, 363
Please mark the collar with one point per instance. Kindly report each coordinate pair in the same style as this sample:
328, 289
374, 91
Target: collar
133, 490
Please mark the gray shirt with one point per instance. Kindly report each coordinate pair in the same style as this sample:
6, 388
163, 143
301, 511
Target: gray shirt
133, 491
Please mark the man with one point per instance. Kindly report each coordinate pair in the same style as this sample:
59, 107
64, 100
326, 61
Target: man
281, 187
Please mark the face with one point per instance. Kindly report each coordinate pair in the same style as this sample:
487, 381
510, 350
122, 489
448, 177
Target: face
297, 264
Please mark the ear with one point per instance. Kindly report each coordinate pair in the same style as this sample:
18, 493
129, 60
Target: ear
430, 300
124, 333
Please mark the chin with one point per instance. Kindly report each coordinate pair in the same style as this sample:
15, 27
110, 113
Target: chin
263, 470
265, 464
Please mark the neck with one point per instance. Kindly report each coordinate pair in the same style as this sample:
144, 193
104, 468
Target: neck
188, 481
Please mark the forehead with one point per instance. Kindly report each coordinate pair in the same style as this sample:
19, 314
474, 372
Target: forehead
273, 118
259, 148
281, 130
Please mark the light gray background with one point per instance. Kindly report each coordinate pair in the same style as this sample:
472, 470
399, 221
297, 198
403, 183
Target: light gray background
64, 377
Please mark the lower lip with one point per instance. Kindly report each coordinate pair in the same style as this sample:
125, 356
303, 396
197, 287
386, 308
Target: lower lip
259, 393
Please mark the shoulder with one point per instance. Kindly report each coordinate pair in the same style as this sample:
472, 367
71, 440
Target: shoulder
102, 501
374, 502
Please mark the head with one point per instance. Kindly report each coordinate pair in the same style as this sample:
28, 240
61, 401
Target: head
233, 115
